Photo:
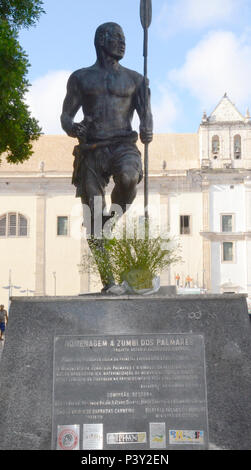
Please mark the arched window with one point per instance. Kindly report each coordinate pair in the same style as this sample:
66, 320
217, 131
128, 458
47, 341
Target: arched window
237, 146
215, 145
13, 224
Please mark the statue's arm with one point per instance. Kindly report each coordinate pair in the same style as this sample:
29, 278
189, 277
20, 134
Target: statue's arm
71, 105
144, 111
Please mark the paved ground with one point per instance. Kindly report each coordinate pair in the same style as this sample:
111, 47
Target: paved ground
1, 348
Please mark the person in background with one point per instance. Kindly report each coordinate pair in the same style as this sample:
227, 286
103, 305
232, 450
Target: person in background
3, 321
188, 281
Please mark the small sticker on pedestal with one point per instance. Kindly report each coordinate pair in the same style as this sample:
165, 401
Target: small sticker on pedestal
68, 437
186, 437
93, 436
157, 436
126, 438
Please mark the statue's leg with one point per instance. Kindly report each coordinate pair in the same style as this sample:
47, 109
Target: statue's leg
94, 198
127, 173
101, 257
125, 189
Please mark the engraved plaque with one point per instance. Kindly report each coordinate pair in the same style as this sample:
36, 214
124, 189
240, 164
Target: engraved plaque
131, 391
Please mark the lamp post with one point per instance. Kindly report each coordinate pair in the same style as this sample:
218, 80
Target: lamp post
10, 287
27, 291
55, 282
203, 278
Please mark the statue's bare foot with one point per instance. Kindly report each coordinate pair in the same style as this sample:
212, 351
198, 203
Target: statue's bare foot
117, 289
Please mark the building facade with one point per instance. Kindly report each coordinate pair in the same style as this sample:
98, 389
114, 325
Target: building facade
199, 191
225, 156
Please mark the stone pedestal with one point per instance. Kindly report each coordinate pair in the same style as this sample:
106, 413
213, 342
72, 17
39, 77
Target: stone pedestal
26, 367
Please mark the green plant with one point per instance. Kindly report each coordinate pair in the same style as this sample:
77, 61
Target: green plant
132, 259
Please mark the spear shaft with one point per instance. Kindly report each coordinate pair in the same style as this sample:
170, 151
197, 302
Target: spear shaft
146, 17
146, 149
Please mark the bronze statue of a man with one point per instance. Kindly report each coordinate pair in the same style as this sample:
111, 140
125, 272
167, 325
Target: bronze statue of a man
108, 95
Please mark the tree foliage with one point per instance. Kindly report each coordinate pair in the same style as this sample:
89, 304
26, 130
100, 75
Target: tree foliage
21, 13
17, 127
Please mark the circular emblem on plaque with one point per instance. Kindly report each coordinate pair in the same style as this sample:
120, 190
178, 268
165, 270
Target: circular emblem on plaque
67, 439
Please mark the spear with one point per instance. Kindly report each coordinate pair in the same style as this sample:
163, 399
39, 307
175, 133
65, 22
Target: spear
146, 18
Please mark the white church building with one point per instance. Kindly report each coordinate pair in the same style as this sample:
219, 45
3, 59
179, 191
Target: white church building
199, 185
225, 156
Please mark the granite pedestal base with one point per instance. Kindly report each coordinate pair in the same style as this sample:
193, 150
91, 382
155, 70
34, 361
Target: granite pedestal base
26, 367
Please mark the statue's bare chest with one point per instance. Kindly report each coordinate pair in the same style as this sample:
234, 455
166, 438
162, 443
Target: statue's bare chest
107, 83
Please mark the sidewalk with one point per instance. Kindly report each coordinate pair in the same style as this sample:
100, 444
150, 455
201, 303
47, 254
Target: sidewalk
1, 348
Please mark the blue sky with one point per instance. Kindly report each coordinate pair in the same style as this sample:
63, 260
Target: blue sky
198, 50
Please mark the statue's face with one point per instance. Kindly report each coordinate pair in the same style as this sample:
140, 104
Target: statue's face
114, 43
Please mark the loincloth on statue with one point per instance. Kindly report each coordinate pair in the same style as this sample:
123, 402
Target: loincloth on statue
97, 162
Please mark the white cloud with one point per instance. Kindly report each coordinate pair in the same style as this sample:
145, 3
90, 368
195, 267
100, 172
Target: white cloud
165, 111
45, 99
195, 14
219, 63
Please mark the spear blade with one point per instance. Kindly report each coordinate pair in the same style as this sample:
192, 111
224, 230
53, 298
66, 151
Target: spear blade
146, 13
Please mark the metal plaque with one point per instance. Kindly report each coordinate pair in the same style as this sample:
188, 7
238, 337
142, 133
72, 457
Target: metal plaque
129, 392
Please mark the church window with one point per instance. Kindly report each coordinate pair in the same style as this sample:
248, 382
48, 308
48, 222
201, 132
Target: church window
227, 222
227, 252
185, 224
62, 225
22, 226
13, 224
215, 145
3, 226
237, 147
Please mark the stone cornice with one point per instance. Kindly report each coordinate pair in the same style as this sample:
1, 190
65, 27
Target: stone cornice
194, 180
220, 124
225, 237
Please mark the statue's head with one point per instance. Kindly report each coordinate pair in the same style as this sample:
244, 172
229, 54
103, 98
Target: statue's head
110, 39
